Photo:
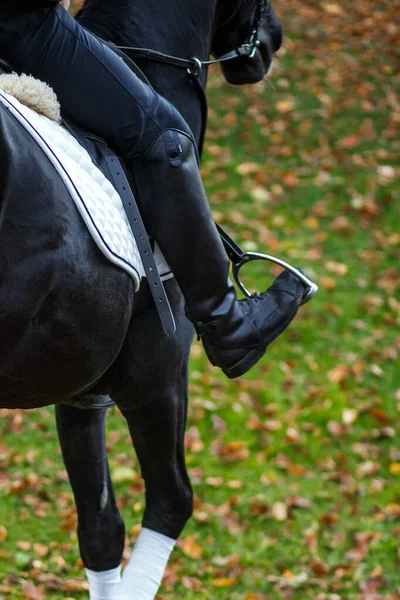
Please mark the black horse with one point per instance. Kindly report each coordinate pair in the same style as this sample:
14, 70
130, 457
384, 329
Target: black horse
119, 342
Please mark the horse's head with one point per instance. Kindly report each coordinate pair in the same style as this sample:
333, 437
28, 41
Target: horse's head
251, 22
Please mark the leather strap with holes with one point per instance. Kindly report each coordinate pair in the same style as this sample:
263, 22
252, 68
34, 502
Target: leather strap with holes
156, 286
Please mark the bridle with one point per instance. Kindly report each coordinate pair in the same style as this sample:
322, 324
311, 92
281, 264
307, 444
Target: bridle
194, 65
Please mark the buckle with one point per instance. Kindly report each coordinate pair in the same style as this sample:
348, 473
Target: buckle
257, 44
250, 48
196, 67
254, 43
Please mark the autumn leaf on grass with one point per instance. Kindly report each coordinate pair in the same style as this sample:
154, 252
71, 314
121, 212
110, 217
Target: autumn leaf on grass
3, 533
123, 474
75, 585
214, 481
32, 592
223, 581
332, 8
41, 550
192, 583
319, 567
201, 516
288, 579
350, 141
349, 415
280, 511
258, 507
339, 373
193, 441
247, 168
191, 548
392, 512
232, 452
329, 519
284, 106
380, 415
367, 468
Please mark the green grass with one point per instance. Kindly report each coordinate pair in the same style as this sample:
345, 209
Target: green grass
329, 211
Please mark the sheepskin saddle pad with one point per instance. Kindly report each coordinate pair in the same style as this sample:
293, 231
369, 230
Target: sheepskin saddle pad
35, 106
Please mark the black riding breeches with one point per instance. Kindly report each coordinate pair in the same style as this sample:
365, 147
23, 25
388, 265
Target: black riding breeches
94, 86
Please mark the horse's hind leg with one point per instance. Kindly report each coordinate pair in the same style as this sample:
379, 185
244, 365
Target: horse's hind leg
157, 431
154, 403
101, 530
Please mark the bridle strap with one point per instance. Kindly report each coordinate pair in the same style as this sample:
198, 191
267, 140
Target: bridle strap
192, 64
195, 65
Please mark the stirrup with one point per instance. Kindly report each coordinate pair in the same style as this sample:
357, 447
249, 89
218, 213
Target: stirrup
239, 258
251, 256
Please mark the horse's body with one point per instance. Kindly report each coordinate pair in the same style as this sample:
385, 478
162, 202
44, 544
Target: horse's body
109, 342
55, 285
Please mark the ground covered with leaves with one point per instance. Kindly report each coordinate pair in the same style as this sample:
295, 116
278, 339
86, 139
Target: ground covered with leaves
296, 468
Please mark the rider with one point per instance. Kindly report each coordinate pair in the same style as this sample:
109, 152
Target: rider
100, 92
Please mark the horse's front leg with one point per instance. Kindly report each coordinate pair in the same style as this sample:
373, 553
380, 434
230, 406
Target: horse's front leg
101, 530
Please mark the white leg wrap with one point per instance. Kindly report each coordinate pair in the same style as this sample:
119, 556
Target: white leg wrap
102, 584
143, 574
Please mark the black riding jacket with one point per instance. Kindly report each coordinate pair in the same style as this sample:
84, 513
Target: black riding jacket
17, 18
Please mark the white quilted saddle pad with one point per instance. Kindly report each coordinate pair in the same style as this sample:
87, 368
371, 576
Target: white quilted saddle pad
96, 199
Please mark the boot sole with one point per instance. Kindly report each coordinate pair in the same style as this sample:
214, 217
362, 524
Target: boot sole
252, 357
245, 364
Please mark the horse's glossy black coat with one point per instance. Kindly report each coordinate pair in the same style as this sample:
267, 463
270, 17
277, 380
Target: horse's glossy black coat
55, 285
148, 378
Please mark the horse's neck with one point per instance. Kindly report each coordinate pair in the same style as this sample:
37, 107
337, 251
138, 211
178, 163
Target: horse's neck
174, 27
177, 27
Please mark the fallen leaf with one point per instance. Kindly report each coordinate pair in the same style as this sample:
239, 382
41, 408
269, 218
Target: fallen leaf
333, 8
223, 581
284, 106
191, 548
279, 511
3, 533
32, 592
123, 474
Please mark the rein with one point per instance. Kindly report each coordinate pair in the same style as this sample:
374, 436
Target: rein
194, 65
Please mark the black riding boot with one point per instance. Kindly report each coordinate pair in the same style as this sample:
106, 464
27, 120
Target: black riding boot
176, 212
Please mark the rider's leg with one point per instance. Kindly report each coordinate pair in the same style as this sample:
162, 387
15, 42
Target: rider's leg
97, 89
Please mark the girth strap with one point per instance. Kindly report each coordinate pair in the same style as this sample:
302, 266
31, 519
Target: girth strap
156, 286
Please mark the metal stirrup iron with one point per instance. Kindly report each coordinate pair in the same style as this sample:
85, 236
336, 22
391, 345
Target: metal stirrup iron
239, 258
